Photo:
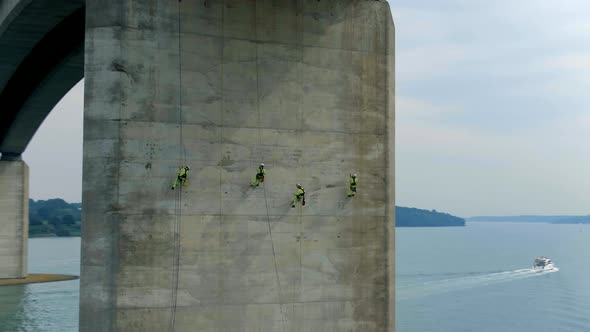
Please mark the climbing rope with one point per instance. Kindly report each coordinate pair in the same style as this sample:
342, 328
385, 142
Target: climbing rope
178, 198
176, 258
274, 256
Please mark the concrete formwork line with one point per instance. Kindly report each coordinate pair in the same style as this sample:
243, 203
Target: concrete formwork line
221, 110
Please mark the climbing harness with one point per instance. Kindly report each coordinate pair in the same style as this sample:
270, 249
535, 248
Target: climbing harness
352, 188
299, 196
259, 178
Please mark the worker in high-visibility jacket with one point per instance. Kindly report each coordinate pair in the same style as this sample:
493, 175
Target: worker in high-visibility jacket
181, 178
299, 196
259, 176
353, 181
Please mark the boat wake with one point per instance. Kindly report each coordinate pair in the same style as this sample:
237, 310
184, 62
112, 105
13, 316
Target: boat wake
460, 283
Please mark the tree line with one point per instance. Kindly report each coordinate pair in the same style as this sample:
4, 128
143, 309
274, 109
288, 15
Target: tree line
412, 217
54, 217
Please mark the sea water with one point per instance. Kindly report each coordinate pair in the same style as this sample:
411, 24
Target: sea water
46, 307
473, 278
479, 278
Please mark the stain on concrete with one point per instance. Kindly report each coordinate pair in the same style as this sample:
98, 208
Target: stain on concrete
121, 68
226, 161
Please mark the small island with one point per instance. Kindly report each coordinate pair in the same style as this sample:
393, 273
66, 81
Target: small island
412, 217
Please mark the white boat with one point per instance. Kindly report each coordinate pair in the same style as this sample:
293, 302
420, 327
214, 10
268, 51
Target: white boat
543, 264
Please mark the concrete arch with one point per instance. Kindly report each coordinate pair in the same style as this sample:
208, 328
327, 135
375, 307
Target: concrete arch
42, 58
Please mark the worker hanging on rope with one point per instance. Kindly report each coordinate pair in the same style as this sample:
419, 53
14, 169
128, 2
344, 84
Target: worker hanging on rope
299, 196
353, 181
182, 175
259, 176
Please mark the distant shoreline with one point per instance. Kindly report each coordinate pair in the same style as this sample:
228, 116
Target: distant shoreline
413, 217
533, 219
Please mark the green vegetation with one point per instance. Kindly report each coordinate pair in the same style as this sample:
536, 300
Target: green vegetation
411, 217
54, 217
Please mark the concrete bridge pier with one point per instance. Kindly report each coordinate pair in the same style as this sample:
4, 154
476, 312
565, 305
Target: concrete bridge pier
305, 86
14, 217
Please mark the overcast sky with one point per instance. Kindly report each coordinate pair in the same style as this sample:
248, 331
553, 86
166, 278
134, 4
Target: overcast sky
54, 155
491, 110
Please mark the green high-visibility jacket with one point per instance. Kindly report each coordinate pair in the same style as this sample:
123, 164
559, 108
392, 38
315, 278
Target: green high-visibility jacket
300, 193
353, 181
183, 172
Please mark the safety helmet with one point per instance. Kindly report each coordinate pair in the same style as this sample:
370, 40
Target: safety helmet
354, 175
299, 185
187, 167
261, 164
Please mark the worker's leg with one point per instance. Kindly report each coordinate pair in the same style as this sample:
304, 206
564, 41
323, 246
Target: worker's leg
255, 182
176, 183
295, 200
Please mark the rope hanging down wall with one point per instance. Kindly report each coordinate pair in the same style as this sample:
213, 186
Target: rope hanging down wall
274, 256
178, 199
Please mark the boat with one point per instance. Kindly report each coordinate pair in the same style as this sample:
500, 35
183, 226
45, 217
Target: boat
543, 264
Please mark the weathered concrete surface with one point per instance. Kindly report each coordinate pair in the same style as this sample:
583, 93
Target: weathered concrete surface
14, 218
304, 86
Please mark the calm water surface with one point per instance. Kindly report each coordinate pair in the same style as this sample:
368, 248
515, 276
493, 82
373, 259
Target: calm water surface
472, 278
49, 307
476, 278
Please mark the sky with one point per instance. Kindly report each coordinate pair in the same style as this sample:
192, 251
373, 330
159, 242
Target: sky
54, 155
491, 111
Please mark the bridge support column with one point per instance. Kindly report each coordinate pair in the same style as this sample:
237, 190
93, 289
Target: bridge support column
304, 86
14, 218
